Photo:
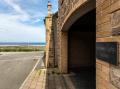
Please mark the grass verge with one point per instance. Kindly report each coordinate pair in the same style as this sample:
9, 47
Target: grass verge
21, 48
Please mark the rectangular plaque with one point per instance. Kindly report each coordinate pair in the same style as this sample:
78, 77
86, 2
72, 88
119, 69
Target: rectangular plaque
107, 51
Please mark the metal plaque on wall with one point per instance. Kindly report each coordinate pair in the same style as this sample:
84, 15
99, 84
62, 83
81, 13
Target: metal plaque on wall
115, 22
107, 51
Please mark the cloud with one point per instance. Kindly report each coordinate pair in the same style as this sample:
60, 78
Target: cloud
17, 24
37, 20
15, 6
23, 14
16, 31
22, 20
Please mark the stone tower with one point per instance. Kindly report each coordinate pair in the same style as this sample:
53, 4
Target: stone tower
49, 6
49, 38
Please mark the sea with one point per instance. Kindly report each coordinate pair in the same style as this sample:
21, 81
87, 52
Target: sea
22, 44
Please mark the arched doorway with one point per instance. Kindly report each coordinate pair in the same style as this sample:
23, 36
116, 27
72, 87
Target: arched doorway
81, 42
81, 50
78, 21
77, 45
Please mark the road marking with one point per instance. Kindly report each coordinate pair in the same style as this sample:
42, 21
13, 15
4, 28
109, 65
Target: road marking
30, 73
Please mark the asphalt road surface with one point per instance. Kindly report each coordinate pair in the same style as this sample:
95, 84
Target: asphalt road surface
15, 67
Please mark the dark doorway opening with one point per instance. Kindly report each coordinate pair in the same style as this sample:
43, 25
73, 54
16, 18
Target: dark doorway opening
81, 51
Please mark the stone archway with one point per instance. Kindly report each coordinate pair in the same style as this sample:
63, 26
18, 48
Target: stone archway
81, 43
78, 51
80, 12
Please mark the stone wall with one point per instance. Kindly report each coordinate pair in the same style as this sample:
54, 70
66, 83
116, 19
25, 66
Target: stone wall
108, 30
51, 40
65, 11
49, 43
55, 38
66, 8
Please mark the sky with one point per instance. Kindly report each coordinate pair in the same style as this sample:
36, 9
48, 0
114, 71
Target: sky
23, 20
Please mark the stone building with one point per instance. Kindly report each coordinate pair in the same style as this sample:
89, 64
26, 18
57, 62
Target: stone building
55, 37
108, 32
73, 38
76, 26
51, 37
81, 24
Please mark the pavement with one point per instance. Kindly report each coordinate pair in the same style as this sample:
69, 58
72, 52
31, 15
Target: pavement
51, 78
15, 67
16, 72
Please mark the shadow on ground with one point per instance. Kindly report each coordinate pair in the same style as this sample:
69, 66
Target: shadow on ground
84, 79
81, 78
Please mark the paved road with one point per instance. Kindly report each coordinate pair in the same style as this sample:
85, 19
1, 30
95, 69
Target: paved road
15, 67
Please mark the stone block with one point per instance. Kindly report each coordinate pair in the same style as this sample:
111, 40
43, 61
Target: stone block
115, 6
98, 66
103, 62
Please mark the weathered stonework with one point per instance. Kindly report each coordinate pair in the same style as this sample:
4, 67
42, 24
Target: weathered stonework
107, 30
51, 30
115, 22
68, 12
115, 76
49, 42
55, 37
66, 8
